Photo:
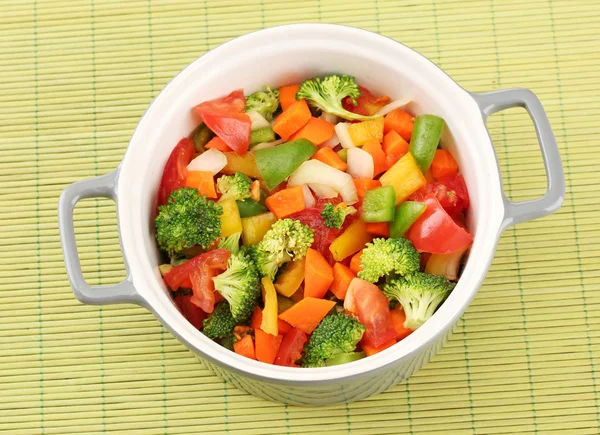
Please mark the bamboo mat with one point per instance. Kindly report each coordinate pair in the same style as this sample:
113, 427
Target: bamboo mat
75, 77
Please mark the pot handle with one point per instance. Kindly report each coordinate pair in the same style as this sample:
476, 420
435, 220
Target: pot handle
516, 212
99, 187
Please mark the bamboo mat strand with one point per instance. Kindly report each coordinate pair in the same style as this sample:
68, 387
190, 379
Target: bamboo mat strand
75, 77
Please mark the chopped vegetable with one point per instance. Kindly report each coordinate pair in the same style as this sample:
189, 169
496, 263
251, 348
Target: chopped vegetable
381, 229
363, 132
314, 171
360, 164
267, 346
233, 128
291, 347
245, 164
446, 265
362, 185
372, 308
420, 294
337, 334
231, 222
309, 199
399, 121
318, 275
341, 131
366, 104
287, 95
249, 207
385, 256
175, 170
207, 265
258, 122
245, 347
286, 201
451, 193
307, 314
334, 217
203, 181
330, 157
394, 147
289, 281
234, 186
443, 165
218, 144
315, 130
254, 228
342, 276
322, 191
373, 147
231, 243
425, 139
220, 322
396, 104
180, 274
344, 358
405, 176
350, 241
261, 135
292, 119
191, 312
327, 94
398, 318
278, 163
343, 154
406, 214
356, 262
211, 160
188, 219
379, 204
371, 350
263, 102
201, 136
269, 312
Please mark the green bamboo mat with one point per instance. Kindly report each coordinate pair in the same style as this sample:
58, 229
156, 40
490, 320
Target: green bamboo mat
75, 77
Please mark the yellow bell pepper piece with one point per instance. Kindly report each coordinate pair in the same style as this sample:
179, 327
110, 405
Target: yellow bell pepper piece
255, 227
290, 279
405, 176
231, 222
269, 314
362, 132
350, 241
245, 164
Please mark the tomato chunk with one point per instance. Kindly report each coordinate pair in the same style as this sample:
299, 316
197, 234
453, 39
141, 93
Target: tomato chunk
175, 170
291, 347
373, 312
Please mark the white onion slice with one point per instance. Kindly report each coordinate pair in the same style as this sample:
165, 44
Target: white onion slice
258, 121
326, 116
360, 164
315, 171
211, 160
341, 130
264, 145
323, 191
309, 199
331, 142
393, 105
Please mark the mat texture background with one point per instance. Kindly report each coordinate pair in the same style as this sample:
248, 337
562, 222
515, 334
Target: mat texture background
75, 77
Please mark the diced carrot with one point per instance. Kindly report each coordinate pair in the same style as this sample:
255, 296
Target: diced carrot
316, 130
370, 350
394, 146
245, 347
283, 327
203, 181
378, 229
307, 314
299, 295
218, 144
355, 262
318, 274
287, 95
443, 165
330, 157
429, 176
292, 119
267, 346
286, 201
362, 185
256, 318
398, 318
399, 121
342, 276
373, 147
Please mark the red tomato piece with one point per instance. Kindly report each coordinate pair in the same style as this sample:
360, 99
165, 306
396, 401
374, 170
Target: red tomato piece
373, 312
323, 236
232, 128
191, 312
452, 194
235, 102
436, 232
291, 348
175, 170
367, 104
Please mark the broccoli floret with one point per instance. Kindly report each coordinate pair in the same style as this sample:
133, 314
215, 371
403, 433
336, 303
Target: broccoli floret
337, 333
333, 217
240, 286
385, 256
231, 243
220, 323
328, 92
419, 294
234, 186
287, 240
188, 219
264, 102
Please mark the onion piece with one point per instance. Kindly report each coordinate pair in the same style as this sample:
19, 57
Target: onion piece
309, 199
323, 191
326, 116
393, 105
315, 171
341, 130
360, 164
211, 160
263, 145
258, 121
331, 142
445, 265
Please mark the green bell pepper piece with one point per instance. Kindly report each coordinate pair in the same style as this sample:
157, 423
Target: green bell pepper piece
201, 136
379, 204
425, 139
344, 358
261, 135
407, 213
276, 164
248, 207
343, 153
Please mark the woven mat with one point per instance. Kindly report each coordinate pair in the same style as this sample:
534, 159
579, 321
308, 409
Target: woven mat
76, 76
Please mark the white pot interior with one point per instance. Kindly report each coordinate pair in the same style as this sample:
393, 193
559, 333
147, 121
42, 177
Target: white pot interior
281, 56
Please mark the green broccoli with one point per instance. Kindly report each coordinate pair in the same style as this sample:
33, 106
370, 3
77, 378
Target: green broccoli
287, 240
333, 217
264, 102
234, 186
385, 256
231, 243
220, 323
336, 334
419, 294
188, 219
327, 94
240, 286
